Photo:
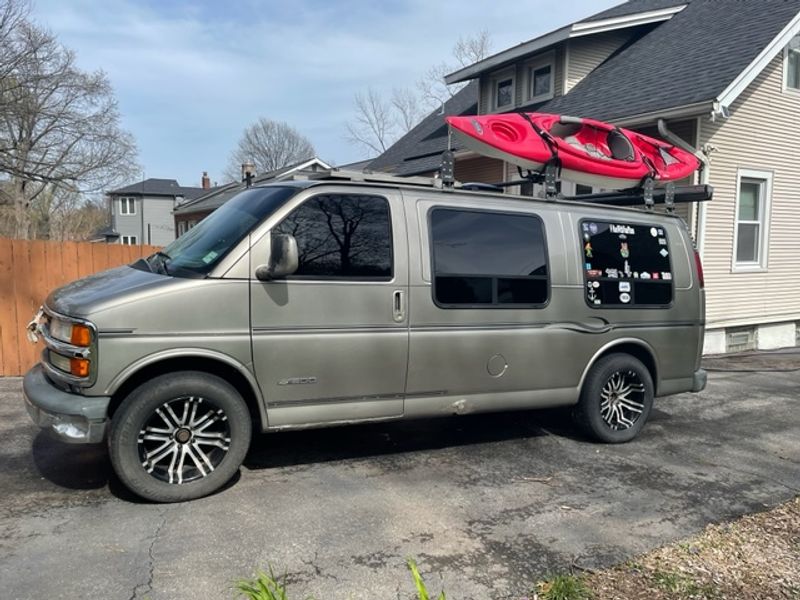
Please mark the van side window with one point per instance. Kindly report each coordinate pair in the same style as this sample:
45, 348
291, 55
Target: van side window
625, 264
343, 236
488, 259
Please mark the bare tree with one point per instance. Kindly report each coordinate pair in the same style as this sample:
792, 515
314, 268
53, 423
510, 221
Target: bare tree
378, 122
270, 145
433, 91
59, 126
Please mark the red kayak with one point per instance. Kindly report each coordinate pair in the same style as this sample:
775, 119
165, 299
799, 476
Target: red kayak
590, 152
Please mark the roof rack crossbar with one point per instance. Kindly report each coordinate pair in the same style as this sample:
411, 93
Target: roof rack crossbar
636, 197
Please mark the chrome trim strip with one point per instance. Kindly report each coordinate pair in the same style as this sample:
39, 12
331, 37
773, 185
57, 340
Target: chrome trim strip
337, 400
63, 348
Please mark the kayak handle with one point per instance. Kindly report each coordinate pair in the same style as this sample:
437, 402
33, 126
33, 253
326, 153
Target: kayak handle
566, 120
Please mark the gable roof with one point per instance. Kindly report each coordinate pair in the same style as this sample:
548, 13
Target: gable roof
631, 14
420, 150
692, 59
218, 196
632, 7
159, 187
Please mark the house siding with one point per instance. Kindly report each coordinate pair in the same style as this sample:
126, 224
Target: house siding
761, 134
153, 222
479, 169
585, 54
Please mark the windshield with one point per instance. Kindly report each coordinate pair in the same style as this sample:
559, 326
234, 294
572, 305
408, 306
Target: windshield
197, 251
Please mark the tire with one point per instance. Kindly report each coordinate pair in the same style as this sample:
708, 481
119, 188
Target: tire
179, 436
616, 399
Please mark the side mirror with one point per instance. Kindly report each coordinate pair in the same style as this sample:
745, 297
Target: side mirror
283, 258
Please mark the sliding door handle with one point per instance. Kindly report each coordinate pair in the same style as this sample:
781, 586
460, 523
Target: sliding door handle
399, 306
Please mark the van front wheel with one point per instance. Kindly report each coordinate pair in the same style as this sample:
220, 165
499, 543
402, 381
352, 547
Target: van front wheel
180, 436
616, 399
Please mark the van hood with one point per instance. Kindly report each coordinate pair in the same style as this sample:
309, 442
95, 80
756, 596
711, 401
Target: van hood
83, 297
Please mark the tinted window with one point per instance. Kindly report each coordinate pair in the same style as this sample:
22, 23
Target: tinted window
485, 258
342, 236
626, 264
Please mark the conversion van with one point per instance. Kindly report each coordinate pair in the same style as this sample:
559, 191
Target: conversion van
354, 298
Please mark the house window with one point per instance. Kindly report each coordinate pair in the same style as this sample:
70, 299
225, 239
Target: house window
539, 75
582, 190
342, 236
127, 206
181, 227
128, 240
752, 210
503, 91
488, 259
793, 64
542, 82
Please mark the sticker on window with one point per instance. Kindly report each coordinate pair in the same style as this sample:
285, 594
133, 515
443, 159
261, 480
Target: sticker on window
210, 256
626, 264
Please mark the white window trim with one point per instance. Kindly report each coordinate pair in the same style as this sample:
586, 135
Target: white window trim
497, 78
538, 62
132, 240
129, 201
764, 210
785, 82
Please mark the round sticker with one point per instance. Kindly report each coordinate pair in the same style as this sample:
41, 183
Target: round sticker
624, 298
654, 232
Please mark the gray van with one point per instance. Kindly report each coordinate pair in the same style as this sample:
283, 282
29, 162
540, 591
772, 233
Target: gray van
351, 298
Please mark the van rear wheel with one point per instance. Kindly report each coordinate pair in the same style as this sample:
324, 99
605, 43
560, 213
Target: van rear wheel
180, 436
616, 399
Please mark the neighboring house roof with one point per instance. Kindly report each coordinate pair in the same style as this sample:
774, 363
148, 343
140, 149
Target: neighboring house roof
220, 195
359, 165
103, 234
691, 59
159, 187
419, 151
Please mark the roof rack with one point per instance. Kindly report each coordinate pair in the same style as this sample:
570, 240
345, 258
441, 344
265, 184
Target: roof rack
335, 174
646, 195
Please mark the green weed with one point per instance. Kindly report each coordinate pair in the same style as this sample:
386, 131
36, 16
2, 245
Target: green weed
422, 591
563, 587
263, 587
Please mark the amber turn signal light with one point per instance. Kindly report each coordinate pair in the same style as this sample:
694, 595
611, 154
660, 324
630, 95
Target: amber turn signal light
81, 335
79, 367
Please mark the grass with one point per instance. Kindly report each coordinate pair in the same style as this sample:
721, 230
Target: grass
263, 587
563, 587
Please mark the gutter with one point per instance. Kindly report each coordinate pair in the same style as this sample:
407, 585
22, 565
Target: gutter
705, 167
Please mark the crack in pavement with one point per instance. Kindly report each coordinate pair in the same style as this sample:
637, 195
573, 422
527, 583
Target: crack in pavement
147, 586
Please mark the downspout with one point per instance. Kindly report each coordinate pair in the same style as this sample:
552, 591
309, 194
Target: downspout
705, 167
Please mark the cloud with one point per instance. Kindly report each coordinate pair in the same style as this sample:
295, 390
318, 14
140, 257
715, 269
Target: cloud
190, 76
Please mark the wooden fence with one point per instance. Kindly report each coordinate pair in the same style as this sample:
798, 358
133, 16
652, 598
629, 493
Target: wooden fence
29, 271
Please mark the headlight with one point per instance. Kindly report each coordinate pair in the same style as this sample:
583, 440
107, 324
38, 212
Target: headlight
71, 333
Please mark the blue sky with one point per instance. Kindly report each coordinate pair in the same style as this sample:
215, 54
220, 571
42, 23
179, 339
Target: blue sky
190, 76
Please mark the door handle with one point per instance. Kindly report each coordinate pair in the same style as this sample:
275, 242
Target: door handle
399, 306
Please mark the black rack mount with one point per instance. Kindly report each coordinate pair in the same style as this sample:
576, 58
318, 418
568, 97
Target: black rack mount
682, 194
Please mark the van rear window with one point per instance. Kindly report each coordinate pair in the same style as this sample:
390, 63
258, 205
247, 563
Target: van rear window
625, 264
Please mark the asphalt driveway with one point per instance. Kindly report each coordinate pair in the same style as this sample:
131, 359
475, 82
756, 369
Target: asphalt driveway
487, 504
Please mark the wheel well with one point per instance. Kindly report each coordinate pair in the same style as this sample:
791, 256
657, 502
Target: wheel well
637, 351
190, 363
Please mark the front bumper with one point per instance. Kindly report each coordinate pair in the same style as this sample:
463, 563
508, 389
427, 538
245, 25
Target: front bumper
71, 418
699, 380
